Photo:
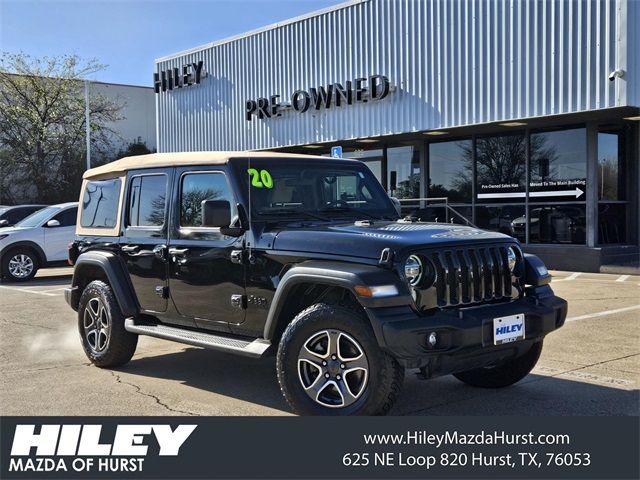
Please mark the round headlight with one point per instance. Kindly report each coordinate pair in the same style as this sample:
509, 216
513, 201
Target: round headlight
512, 258
413, 270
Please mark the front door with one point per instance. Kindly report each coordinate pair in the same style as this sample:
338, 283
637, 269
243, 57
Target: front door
206, 275
57, 239
143, 245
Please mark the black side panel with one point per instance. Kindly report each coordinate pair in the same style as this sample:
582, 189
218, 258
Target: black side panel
90, 265
346, 275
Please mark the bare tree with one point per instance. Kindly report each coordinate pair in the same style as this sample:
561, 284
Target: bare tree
42, 125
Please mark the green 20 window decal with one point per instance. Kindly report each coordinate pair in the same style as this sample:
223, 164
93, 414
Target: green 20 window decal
260, 178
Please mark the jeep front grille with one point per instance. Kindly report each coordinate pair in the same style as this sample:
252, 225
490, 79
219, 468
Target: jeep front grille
471, 274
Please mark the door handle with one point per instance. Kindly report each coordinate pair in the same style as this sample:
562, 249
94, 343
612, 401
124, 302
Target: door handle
178, 251
130, 248
159, 250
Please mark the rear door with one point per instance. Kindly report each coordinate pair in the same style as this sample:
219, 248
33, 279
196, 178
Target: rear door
143, 246
57, 239
206, 276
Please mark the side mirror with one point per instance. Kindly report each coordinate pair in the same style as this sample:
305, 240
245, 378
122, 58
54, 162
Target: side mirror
53, 223
4, 223
216, 213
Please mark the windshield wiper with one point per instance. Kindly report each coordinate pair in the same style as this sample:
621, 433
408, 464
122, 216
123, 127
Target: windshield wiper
293, 211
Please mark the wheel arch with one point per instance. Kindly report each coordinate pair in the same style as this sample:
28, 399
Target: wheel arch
313, 281
30, 245
109, 268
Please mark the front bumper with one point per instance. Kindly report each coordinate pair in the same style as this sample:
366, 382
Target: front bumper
465, 334
71, 296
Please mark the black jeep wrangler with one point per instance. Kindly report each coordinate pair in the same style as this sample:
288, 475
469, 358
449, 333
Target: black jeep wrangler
305, 257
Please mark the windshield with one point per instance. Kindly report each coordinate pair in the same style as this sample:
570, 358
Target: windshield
314, 189
36, 219
2, 210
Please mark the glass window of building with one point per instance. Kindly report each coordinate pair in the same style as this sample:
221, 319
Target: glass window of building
508, 219
403, 172
557, 224
451, 170
500, 166
612, 177
371, 158
610, 167
558, 170
612, 224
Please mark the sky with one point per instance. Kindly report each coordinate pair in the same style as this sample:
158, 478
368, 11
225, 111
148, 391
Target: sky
129, 35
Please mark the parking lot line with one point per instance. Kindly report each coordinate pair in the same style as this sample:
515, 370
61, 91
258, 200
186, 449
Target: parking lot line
573, 276
24, 290
622, 278
602, 314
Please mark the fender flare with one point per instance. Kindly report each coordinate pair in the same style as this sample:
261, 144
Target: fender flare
340, 274
116, 274
29, 244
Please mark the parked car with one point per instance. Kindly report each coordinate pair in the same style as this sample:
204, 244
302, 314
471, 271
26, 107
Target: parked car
305, 257
9, 216
40, 240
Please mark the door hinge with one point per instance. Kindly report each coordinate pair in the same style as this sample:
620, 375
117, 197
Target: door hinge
239, 301
162, 291
236, 256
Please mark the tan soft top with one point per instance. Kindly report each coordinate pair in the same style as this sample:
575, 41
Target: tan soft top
181, 158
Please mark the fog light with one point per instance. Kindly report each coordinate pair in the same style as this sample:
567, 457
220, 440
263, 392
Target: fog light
433, 339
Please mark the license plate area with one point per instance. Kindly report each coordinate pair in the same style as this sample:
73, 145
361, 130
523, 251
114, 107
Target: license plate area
508, 329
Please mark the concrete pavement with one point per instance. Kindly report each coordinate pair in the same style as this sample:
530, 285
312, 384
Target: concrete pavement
589, 367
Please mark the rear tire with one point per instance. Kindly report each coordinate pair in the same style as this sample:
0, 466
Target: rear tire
101, 325
505, 374
329, 363
20, 265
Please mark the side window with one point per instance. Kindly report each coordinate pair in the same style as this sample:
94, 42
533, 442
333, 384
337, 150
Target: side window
16, 215
197, 187
100, 204
147, 201
67, 218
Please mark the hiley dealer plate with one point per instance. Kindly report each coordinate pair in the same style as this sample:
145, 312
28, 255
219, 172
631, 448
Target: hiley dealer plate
508, 329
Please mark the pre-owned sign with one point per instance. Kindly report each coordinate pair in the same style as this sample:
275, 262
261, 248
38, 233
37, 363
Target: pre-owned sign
359, 90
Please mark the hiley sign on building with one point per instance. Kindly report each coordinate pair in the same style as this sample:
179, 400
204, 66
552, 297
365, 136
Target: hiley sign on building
359, 90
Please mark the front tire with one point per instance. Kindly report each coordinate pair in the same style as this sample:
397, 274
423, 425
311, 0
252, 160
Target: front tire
20, 265
329, 363
101, 325
503, 375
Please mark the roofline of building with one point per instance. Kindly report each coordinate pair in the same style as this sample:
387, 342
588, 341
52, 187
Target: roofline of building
250, 33
83, 80
120, 84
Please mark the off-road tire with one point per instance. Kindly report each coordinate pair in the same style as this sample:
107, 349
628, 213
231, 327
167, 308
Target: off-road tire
503, 375
121, 345
5, 271
385, 376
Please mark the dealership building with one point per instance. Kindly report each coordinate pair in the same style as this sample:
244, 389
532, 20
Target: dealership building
511, 115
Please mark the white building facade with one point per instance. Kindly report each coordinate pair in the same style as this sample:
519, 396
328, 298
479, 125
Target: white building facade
523, 115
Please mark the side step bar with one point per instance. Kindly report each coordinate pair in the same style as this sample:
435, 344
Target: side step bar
250, 348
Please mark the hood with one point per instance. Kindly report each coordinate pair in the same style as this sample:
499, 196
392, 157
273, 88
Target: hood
361, 240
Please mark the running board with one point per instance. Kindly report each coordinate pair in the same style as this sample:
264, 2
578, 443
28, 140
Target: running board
250, 348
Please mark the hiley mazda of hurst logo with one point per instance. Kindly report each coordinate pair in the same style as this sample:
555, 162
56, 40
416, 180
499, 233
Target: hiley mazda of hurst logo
79, 448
